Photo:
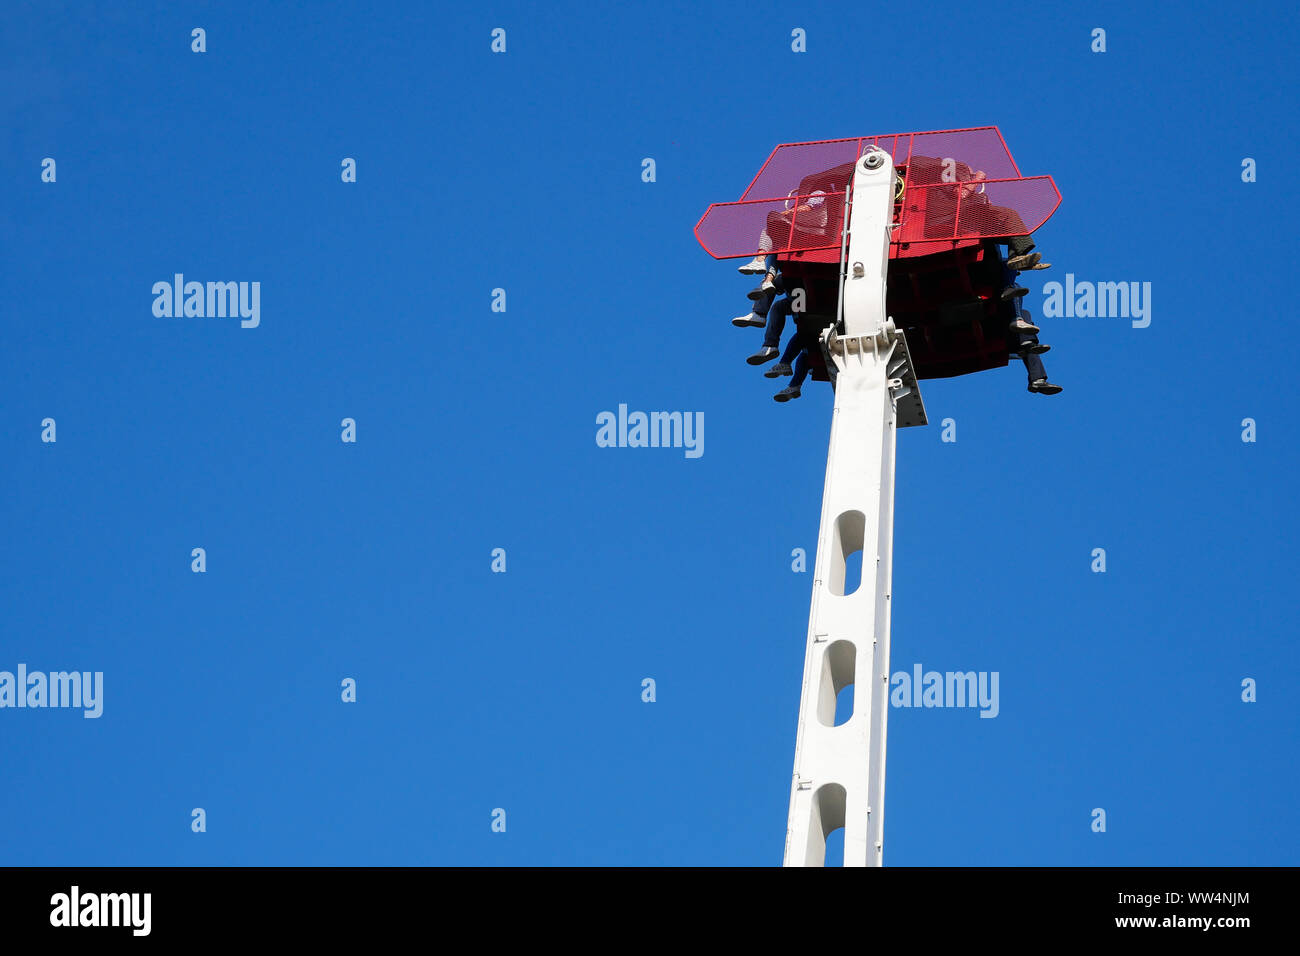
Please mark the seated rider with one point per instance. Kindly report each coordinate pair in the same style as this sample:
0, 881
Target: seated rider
1000, 219
812, 215
772, 337
757, 316
793, 349
952, 188
806, 339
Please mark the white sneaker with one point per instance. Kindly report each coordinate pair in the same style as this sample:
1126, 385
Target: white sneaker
754, 266
744, 321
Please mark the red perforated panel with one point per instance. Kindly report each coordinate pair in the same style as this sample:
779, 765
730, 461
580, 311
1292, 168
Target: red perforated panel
960, 185
790, 163
976, 209
980, 148
796, 223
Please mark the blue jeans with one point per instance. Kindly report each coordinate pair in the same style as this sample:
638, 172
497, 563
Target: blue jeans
797, 349
1033, 364
801, 364
764, 302
793, 349
776, 323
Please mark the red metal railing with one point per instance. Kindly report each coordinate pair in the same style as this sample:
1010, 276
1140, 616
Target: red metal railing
959, 185
930, 214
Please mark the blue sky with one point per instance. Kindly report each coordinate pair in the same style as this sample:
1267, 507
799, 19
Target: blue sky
476, 430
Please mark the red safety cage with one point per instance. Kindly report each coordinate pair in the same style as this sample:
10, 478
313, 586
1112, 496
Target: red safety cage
955, 188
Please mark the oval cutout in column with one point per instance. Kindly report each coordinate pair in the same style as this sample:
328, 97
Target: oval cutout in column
846, 553
828, 805
838, 663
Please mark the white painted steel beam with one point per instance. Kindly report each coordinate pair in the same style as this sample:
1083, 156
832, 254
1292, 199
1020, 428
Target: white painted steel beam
839, 772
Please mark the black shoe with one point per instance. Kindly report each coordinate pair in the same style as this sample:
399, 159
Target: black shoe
787, 393
1043, 387
766, 287
1013, 292
777, 370
1020, 325
1038, 348
765, 354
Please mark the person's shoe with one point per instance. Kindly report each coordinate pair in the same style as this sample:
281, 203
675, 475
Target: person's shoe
765, 354
754, 267
1013, 292
1037, 266
777, 370
1038, 348
1043, 387
757, 293
787, 393
769, 282
1023, 262
754, 319
1020, 325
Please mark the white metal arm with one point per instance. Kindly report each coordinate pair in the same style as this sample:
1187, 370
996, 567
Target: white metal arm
839, 771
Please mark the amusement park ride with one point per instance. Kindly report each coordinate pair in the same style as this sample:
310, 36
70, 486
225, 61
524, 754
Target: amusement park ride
902, 275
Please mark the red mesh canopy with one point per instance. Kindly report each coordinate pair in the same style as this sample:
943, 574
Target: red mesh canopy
959, 185
772, 225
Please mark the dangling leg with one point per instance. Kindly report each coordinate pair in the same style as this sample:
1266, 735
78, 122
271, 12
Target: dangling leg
768, 285
758, 317
772, 337
1021, 322
792, 350
1029, 351
801, 366
1012, 291
759, 264
1020, 254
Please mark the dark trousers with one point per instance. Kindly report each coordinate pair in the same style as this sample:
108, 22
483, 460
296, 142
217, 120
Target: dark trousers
776, 324
764, 302
796, 351
792, 349
801, 365
1033, 364
806, 340
1019, 245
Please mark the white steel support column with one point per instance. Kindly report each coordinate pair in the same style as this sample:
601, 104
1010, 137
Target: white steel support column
839, 772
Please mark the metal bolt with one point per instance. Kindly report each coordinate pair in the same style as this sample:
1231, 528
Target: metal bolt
874, 160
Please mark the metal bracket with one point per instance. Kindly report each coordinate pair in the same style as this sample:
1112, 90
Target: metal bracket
908, 405
888, 345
